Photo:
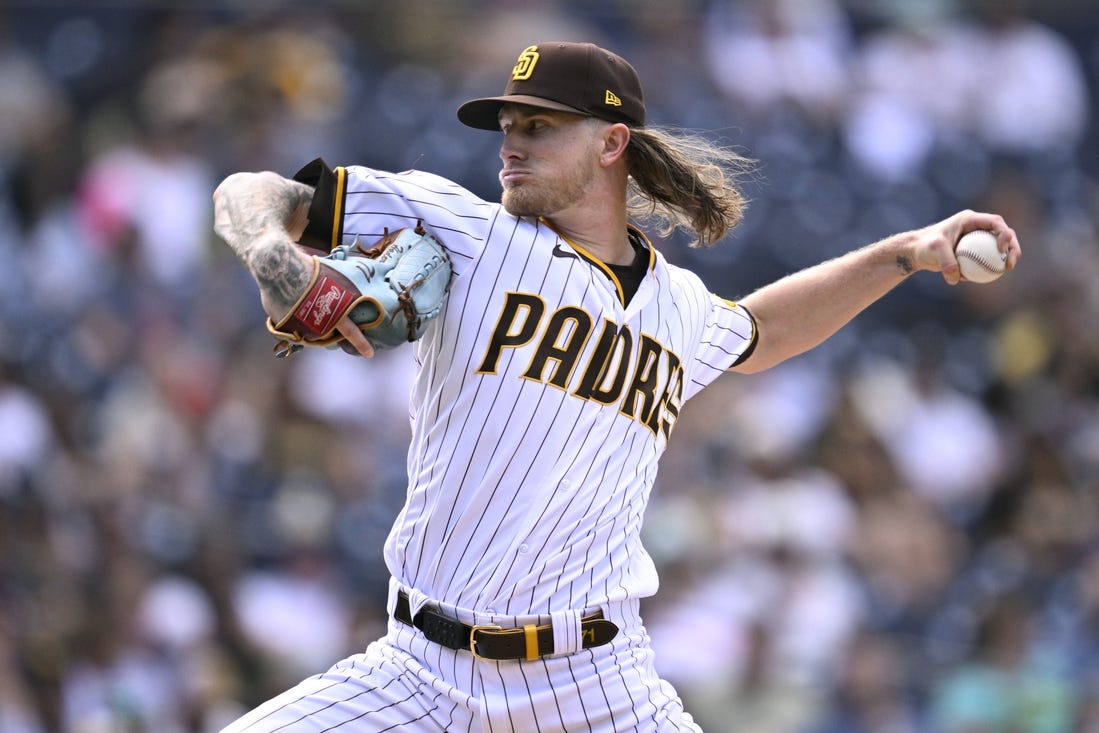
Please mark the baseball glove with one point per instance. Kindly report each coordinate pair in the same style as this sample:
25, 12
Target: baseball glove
391, 290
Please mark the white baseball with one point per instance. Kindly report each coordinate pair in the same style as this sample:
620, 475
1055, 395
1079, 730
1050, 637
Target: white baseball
980, 260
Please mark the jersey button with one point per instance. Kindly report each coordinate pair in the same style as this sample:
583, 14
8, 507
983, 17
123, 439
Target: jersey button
524, 549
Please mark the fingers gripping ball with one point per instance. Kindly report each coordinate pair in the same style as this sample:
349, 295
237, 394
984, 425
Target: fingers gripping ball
979, 258
391, 290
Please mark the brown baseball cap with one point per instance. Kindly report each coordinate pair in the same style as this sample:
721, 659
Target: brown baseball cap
581, 78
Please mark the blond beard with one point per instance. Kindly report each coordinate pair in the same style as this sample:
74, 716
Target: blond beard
542, 199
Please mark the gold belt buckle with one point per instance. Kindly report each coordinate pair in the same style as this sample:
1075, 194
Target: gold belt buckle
473, 638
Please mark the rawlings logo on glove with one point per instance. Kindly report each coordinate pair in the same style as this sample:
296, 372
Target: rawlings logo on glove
391, 291
333, 300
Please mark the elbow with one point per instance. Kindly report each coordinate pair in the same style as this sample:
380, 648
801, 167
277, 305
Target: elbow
232, 185
226, 186
242, 183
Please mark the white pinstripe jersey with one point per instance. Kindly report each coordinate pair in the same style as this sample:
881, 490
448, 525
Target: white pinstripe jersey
542, 402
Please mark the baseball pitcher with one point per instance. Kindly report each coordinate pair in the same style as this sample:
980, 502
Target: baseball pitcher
556, 347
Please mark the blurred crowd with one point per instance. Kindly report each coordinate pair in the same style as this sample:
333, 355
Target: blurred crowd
896, 533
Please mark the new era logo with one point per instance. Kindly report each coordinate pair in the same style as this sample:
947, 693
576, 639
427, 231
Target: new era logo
612, 99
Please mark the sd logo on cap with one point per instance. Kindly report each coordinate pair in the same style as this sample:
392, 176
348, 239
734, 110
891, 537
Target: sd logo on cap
581, 78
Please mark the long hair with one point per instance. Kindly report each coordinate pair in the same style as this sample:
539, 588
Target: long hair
681, 180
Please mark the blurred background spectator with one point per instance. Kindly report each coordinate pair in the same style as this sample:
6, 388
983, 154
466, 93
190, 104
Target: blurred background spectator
898, 532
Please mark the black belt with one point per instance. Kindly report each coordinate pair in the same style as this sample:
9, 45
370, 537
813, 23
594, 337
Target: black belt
493, 642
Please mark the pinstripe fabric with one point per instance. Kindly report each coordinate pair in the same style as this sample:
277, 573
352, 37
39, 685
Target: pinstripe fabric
525, 497
540, 408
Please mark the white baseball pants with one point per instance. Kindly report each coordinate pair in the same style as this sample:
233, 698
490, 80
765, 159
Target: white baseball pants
404, 682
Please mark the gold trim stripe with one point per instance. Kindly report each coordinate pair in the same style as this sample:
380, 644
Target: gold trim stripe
337, 216
592, 259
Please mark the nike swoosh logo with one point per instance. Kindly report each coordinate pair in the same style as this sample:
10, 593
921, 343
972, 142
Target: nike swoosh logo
559, 251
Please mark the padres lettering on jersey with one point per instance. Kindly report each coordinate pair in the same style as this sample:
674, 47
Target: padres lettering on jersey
654, 374
542, 402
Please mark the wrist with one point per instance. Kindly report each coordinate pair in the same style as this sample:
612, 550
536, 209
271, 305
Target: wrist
898, 254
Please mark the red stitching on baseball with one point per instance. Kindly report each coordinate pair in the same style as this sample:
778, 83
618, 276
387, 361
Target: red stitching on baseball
991, 267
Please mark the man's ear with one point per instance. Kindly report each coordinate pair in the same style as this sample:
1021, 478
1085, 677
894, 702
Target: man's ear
615, 139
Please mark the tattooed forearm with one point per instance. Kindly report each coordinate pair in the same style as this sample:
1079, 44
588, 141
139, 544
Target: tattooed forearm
905, 265
281, 270
251, 213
